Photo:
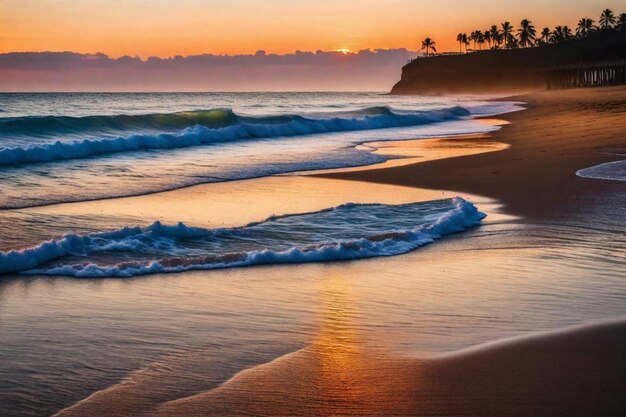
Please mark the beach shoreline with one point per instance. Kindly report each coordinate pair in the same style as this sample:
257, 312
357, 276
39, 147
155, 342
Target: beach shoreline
576, 371
569, 372
559, 133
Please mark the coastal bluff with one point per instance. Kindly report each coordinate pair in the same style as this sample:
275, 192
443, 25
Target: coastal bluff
572, 63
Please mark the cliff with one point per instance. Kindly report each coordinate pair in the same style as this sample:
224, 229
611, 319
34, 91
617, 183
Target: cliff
514, 70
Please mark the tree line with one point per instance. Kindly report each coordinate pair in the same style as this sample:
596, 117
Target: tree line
506, 36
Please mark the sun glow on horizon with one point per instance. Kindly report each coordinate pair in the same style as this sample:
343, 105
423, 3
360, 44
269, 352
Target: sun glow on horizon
166, 28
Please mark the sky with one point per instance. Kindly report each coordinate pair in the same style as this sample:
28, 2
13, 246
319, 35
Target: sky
302, 71
186, 27
243, 45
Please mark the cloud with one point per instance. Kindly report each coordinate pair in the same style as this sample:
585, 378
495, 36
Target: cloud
372, 70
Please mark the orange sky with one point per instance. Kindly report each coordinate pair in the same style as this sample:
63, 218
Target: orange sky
184, 27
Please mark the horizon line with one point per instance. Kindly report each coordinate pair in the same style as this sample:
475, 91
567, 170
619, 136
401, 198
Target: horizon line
381, 92
257, 53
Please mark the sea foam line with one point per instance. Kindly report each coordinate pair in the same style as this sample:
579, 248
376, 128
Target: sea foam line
197, 135
613, 171
461, 216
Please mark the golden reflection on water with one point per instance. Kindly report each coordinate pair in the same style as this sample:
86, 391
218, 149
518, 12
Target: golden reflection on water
338, 372
423, 150
336, 348
347, 373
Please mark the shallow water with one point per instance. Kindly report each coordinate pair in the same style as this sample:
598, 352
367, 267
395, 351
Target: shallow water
613, 171
178, 334
76, 147
346, 232
189, 332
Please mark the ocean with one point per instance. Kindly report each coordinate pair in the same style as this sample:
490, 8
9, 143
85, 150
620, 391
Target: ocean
60, 148
73, 147
153, 246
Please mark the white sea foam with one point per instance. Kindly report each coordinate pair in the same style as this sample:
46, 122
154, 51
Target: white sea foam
162, 242
103, 146
615, 171
247, 128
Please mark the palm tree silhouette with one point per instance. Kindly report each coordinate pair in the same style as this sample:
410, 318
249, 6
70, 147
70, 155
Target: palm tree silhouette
557, 34
507, 33
428, 44
466, 41
487, 38
526, 33
561, 34
474, 37
607, 19
480, 39
567, 34
621, 22
462, 39
495, 35
585, 27
545, 35
459, 39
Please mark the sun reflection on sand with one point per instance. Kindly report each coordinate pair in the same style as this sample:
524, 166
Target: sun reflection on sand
348, 374
335, 374
337, 348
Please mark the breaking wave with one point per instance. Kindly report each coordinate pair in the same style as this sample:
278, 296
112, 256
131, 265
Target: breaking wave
179, 130
50, 126
350, 231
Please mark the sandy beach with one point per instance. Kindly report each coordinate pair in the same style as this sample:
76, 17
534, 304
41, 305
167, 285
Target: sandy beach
574, 372
560, 133
577, 371
296, 208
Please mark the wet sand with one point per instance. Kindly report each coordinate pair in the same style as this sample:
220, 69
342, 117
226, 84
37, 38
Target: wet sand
560, 133
577, 371
574, 372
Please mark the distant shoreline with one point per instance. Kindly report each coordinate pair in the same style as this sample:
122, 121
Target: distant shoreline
558, 134
514, 71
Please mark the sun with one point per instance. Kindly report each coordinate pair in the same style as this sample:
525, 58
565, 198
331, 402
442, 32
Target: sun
343, 50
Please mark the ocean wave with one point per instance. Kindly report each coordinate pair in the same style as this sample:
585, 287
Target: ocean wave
243, 128
612, 171
50, 126
350, 231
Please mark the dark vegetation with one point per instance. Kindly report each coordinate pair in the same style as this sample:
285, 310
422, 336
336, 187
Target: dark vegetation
514, 59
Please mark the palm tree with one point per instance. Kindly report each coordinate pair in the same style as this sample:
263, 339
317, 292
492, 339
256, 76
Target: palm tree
567, 34
487, 37
459, 39
471, 38
526, 33
507, 33
557, 35
561, 34
621, 22
466, 41
545, 35
607, 19
495, 35
428, 44
480, 39
585, 27
475, 37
